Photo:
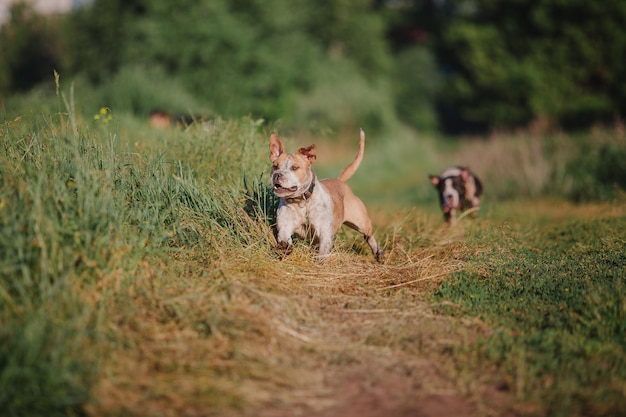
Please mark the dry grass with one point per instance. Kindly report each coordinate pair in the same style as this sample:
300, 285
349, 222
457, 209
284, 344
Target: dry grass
528, 165
246, 334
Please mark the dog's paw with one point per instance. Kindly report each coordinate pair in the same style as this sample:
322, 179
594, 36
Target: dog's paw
321, 259
380, 255
284, 249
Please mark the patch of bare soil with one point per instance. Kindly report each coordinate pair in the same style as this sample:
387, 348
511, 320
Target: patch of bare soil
358, 393
374, 390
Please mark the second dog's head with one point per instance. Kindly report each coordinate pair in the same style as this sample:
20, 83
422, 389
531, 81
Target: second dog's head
291, 172
451, 185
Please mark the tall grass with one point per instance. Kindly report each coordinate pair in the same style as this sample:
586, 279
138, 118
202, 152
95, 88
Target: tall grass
579, 167
82, 208
59, 231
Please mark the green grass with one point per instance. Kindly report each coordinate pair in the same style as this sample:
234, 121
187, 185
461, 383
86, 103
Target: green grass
555, 300
138, 275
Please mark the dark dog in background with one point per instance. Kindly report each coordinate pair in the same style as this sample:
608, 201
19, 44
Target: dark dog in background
458, 189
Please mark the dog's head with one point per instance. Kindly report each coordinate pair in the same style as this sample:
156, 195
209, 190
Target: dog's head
291, 172
451, 185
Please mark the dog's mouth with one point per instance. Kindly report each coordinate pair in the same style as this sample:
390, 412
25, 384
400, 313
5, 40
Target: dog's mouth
278, 189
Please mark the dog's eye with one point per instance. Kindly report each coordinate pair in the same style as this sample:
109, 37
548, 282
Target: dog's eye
274, 167
294, 167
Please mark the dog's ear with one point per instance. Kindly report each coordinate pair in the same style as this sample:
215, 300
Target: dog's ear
308, 153
465, 174
434, 180
276, 147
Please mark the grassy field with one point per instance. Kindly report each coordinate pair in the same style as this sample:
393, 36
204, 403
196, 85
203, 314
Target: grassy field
138, 277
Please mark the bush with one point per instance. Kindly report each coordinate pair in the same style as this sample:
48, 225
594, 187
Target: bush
515, 63
139, 90
599, 169
340, 98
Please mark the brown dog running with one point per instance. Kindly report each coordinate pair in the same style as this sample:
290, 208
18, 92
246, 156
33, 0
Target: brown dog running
324, 205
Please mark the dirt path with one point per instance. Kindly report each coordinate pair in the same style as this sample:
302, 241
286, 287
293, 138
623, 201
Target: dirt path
374, 348
263, 338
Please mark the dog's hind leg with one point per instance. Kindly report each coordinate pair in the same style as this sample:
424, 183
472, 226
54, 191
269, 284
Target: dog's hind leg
376, 250
368, 234
358, 219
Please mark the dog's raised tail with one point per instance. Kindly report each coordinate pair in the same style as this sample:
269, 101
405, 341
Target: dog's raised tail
354, 165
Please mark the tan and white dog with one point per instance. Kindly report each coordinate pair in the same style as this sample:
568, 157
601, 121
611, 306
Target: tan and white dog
321, 205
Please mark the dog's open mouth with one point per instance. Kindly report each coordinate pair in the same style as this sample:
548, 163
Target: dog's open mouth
279, 189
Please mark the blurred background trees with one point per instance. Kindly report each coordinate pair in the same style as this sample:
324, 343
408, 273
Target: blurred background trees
549, 61
436, 65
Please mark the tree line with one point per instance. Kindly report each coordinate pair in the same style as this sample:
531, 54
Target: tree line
453, 66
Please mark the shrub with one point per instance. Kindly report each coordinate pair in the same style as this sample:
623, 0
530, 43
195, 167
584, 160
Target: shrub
598, 169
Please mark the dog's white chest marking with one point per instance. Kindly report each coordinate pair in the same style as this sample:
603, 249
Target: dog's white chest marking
314, 213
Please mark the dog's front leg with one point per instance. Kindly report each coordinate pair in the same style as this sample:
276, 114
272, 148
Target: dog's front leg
450, 217
286, 223
285, 246
290, 220
285, 242
325, 238
326, 244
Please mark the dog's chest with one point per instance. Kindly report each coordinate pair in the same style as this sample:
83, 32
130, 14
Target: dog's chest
315, 210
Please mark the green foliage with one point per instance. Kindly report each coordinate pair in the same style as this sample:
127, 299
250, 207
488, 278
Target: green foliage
44, 369
457, 66
228, 56
29, 49
96, 37
58, 228
521, 61
350, 29
139, 90
237, 58
496, 89
598, 170
342, 99
416, 84
557, 305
